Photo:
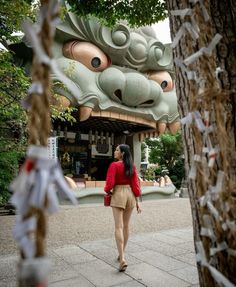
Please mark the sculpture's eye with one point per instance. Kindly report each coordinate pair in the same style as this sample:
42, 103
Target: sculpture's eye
87, 54
96, 62
163, 79
164, 85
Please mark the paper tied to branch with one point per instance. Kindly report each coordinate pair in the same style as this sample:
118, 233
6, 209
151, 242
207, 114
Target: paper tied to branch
213, 210
204, 10
181, 12
35, 88
186, 27
217, 276
205, 198
191, 75
205, 50
193, 170
220, 247
208, 229
219, 182
199, 122
212, 157
217, 72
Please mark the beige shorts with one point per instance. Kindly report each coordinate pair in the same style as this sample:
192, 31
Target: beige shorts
123, 197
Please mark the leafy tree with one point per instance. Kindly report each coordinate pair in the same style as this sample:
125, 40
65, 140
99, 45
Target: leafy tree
13, 87
167, 151
136, 12
14, 84
12, 15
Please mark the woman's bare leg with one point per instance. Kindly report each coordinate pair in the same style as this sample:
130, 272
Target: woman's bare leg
126, 219
119, 236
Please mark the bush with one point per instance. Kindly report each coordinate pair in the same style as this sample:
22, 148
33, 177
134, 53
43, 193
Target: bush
166, 152
9, 167
177, 173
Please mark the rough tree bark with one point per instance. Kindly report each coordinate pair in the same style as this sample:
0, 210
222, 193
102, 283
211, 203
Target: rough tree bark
222, 21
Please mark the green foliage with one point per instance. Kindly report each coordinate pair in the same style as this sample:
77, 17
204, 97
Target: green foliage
136, 12
13, 87
64, 115
167, 151
12, 14
150, 173
177, 173
10, 154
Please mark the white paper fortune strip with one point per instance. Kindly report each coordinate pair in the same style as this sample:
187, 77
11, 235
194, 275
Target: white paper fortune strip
187, 120
37, 180
199, 122
182, 12
220, 247
212, 157
205, 50
204, 10
208, 230
186, 26
36, 87
34, 271
218, 277
193, 170
213, 210
217, 72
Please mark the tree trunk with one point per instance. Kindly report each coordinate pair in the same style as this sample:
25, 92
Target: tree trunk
216, 95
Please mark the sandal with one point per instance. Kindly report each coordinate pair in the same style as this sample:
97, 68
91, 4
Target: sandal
123, 266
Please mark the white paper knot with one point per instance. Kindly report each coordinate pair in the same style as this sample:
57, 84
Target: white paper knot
40, 178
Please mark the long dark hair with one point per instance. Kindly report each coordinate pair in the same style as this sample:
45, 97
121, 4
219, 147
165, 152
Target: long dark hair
127, 159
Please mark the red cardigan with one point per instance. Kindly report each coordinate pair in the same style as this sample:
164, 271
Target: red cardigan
116, 176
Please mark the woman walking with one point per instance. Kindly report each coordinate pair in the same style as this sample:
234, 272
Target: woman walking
122, 181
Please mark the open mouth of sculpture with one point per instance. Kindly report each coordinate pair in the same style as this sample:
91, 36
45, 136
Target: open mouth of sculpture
118, 123
112, 122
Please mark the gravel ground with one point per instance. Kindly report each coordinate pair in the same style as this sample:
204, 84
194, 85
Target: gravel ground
75, 224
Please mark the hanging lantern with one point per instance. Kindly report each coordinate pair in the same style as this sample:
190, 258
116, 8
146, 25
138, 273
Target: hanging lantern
96, 137
65, 133
107, 137
59, 130
101, 137
90, 136
77, 136
112, 139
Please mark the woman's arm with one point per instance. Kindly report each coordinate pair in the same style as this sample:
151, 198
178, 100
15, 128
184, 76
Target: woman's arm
135, 183
110, 178
138, 207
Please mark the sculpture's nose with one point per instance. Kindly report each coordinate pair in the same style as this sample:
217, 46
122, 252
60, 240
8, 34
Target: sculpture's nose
130, 89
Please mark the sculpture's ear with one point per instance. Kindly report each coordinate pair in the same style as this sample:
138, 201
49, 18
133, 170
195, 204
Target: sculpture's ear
22, 54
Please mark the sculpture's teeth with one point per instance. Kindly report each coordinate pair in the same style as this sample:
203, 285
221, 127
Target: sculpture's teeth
161, 127
174, 127
84, 113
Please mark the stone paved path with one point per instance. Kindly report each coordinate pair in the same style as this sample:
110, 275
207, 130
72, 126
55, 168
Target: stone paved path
81, 245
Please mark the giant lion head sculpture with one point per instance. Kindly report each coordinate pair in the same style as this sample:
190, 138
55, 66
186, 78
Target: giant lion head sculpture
120, 71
